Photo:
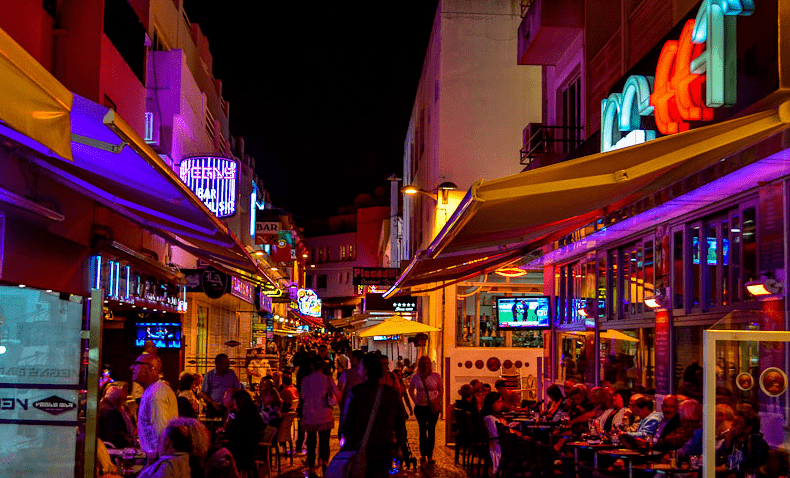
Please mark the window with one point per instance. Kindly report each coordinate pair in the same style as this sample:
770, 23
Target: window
321, 281
571, 114
351, 254
201, 349
721, 258
631, 278
343, 253
575, 289
127, 34
210, 125
328, 253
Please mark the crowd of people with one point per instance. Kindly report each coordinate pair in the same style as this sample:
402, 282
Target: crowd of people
211, 425
631, 420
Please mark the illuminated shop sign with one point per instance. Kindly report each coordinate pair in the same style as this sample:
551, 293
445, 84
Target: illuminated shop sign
123, 285
264, 301
308, 303
242, 289
694, 74
213, 180
383, 276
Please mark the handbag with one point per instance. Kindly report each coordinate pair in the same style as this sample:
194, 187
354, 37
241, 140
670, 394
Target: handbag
331, 398
353, 463
436, 406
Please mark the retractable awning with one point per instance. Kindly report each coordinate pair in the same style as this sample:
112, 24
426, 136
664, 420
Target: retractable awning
114, 166
32, 101
515, 211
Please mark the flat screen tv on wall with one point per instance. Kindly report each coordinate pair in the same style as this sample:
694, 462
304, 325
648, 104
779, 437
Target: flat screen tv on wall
523, 313
165, 335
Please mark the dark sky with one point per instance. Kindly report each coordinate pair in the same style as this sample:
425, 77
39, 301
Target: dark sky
321, 91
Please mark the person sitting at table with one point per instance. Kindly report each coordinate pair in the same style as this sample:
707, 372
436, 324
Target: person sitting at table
620, 417
605, 418
501, 388
724, 418
244, 430
467, 401
271, 407
201, 440
188, 405
631, 415
746, 449
567, 387
581, 409
648, 424
555, 398
175, 443
670, 420
492, 414
115, 423
690, 415
288, 393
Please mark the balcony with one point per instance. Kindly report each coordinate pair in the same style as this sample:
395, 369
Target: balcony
544, 145
547, 28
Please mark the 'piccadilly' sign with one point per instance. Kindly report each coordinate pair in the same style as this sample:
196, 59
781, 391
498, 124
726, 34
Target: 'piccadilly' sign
694, 74
213, 180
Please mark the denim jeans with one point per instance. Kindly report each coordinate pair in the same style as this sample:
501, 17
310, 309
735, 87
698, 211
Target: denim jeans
426, 420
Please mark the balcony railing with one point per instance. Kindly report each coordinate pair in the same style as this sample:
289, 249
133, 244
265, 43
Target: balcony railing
539, 139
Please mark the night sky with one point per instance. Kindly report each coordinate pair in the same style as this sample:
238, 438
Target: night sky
321, 91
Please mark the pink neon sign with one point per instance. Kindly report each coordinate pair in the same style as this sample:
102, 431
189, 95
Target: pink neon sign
213, 180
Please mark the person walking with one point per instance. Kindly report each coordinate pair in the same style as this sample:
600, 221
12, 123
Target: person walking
390, 417
158, 405
316, 396
425, 389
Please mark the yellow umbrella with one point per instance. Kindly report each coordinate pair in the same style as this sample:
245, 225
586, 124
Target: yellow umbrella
397, 325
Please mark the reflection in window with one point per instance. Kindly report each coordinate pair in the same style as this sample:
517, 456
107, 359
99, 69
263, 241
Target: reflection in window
572, 356
628, 358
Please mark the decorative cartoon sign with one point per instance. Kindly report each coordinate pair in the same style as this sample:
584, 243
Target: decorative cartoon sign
308, 302
744, 381
773, 381
694, 74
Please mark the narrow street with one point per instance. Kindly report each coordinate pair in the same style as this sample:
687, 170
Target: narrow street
443, 468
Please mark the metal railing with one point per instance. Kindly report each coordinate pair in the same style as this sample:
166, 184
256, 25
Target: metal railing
543, 139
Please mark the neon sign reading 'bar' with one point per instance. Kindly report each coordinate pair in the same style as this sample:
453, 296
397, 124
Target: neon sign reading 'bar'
213, 180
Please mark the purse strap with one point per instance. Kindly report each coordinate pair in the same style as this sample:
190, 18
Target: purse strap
425, 386
364, 443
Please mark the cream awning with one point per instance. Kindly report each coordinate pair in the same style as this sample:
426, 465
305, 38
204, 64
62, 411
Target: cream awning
513, 212
32, 101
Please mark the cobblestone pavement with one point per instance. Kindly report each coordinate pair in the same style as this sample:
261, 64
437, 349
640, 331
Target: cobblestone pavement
443, 455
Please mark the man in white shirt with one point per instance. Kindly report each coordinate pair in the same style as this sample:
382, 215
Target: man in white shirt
341, 362
158, 404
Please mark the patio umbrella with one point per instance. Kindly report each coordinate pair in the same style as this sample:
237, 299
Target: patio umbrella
397, 325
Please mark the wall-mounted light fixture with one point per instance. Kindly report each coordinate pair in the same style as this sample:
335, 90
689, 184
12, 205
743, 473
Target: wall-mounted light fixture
764, 286
441, 192
658, 301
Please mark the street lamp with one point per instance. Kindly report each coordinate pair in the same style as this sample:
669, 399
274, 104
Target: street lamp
443, 189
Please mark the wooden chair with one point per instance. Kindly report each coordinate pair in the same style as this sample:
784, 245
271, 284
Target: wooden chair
265, 447
284, 436
462, 435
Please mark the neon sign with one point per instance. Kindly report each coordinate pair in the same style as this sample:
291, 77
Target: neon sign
242, 289
308, 303
705, 54
213, 180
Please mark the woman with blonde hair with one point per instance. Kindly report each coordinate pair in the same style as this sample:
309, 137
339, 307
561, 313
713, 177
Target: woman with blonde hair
425, 389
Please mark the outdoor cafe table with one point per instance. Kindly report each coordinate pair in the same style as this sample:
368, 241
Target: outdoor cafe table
664, 468
629, 455
595, 446
138, 462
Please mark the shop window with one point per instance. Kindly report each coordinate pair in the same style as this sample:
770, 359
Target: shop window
678, 268
573, 356
476, 319
631, 276
628, 358
602, 278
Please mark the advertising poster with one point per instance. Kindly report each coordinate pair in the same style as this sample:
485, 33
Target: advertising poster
663, 371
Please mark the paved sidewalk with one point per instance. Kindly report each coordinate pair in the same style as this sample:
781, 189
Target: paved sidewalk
443, 455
